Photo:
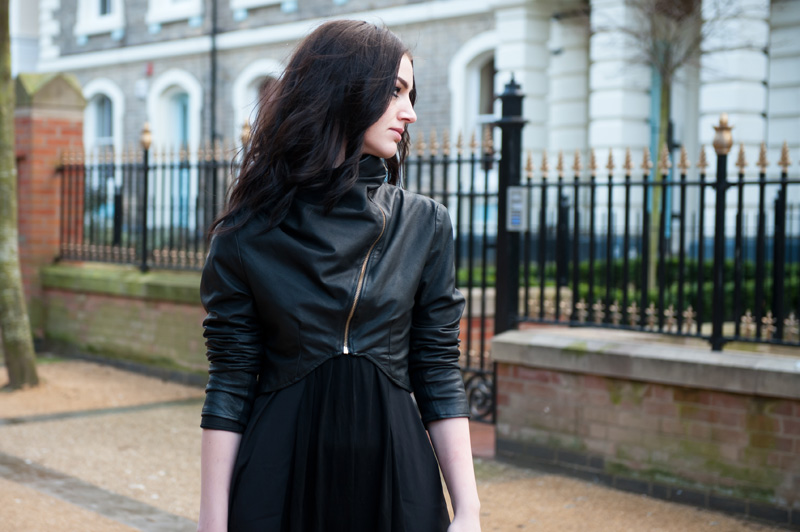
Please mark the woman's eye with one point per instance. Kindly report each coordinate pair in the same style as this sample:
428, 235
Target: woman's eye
396, 92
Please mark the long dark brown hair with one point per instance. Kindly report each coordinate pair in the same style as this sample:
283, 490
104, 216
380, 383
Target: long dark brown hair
338, 82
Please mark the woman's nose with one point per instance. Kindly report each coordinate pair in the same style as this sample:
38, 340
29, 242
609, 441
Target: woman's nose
407, 114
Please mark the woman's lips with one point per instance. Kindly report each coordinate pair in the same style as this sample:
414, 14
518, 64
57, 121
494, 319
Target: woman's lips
399, 133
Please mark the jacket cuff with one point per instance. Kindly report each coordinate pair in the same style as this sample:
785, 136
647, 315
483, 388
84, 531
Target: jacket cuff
434, 411
219, 423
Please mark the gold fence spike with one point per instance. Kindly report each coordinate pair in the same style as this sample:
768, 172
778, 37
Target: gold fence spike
545, 166
762, 158
560, 164
446, 143
488, 142
420, 146
610, 163
592, 161
785, 161
529, 166
664, 164
218, 150
460, 143
576, 164
683, 163
434, 143
741, 161
473, 143
647, 164
702, 164
628, 165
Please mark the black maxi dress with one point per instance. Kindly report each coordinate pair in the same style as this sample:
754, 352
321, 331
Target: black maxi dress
343, 450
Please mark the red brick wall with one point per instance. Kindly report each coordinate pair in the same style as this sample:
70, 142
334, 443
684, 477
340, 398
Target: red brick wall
163, 334
41, 138
746, 448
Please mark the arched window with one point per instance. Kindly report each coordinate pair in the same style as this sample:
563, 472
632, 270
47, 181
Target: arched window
248, 87
102, 119
472, 79
174, 110
102, 116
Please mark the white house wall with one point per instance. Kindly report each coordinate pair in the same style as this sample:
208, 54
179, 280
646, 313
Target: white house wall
568, 95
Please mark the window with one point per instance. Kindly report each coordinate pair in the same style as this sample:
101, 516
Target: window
104, 125
103, 116
161, 11
248, 88
249, 4
99, 16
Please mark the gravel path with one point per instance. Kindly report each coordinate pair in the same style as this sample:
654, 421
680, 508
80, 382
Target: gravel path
149, 457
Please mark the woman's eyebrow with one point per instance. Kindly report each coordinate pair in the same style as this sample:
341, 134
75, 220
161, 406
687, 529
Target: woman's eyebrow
403, 82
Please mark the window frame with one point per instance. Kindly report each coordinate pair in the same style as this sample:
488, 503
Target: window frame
164, 11
91, 22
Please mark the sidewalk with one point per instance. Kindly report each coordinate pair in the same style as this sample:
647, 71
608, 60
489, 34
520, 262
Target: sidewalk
100, 449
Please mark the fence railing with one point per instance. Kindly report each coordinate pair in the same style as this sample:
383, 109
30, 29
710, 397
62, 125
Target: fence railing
150, 208
725, 267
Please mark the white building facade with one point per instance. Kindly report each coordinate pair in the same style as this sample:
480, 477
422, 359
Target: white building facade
151, 60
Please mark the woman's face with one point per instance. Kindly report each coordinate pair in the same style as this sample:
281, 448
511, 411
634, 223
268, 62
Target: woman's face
382, 137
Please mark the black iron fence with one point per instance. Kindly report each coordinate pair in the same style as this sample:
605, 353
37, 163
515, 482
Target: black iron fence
150, 208
673, 250
652, 249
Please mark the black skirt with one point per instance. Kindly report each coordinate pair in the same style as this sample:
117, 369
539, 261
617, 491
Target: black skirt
342, 450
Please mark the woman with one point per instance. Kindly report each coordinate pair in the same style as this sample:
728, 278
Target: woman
330, 296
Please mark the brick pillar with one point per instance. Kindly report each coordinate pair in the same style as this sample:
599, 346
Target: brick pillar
48, 121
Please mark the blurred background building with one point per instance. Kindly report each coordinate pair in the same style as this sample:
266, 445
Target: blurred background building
193, 68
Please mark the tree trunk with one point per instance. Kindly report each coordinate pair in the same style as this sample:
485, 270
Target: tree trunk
655, 211
15, 329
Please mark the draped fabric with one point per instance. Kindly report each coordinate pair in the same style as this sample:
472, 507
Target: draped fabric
343, 450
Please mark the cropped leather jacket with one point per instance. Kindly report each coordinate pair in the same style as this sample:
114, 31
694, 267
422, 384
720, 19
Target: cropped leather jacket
373, 278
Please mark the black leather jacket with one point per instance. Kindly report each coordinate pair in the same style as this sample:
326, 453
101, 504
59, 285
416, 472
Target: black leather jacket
373, 278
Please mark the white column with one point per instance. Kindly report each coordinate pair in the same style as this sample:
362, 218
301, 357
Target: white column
522, 29
783, 107
569, 85
619, 84
733, 73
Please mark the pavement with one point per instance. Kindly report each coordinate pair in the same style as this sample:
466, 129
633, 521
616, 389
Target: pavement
101, 449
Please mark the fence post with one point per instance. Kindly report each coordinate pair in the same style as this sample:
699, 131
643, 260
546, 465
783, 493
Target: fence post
723, 141
779, 245
146, 140
510, 172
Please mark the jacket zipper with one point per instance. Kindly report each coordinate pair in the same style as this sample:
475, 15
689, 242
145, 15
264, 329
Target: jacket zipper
360, 285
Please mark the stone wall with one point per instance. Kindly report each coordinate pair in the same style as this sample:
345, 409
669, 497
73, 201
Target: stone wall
119, 313
677, 422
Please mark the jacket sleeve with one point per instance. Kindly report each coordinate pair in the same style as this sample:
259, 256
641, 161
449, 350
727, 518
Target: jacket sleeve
233, 339
433, 358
